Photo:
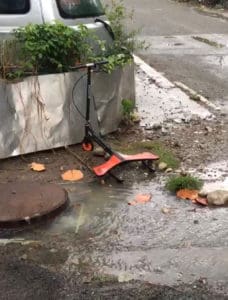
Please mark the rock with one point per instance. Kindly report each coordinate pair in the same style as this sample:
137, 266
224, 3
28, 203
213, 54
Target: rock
213, 186
169, 170
99, 151
176, 144
165, 210
136, 119
208, 129
183, 172
218, 197
162, 166
177, 121
54, 250
165, 131
124, 277
24, 257
75, 261
157, 126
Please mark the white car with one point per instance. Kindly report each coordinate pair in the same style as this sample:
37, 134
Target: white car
16, 13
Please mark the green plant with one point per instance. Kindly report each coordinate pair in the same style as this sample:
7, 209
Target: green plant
47, 48
128, 107
176, 183
119, 53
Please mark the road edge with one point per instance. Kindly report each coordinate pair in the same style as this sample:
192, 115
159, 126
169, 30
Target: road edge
163, 82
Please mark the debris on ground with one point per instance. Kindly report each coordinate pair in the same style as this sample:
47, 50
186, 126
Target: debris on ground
37, 167
192, 195
187, 194
72, 175
140, 199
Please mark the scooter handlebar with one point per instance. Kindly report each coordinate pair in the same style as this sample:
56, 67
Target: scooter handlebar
89, 65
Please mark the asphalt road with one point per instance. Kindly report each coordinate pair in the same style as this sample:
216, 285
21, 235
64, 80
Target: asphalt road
186, 44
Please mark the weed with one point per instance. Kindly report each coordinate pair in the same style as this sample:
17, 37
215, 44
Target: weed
128, 107
177, 183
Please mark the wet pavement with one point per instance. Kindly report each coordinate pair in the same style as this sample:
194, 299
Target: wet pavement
101, 231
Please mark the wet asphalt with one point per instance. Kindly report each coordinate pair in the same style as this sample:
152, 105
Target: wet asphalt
170, 27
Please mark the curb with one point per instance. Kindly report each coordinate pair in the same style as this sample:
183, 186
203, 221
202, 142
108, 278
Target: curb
163, 82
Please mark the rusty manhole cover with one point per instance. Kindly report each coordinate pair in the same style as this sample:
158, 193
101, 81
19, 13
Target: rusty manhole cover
25, 201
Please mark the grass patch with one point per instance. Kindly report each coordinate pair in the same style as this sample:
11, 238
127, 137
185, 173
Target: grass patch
206, 41
177, 183
157, 148
195, 97
103, 278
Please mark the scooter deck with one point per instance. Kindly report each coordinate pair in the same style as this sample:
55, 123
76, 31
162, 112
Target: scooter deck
119, 158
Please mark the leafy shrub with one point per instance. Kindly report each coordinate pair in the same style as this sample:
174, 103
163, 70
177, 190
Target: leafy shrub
125, 42
52, 47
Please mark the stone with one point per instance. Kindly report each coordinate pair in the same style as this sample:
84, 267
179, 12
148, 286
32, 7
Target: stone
218, 198
208, 129
177, 121
165, 210
24, 257
176, 144
99, 151
157, 126
213, 186
165, 131
169, 170
125, 277
162, 166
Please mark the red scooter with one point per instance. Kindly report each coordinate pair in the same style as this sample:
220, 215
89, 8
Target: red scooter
116, 158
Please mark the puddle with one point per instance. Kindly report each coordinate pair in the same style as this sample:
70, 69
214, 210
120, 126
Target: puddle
99, 228
218, 60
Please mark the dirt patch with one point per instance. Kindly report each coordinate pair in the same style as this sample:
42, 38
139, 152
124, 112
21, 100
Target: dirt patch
193, 144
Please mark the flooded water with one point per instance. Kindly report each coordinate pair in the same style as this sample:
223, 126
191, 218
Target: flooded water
164, 241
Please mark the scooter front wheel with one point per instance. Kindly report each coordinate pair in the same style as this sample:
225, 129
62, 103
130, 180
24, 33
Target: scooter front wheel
87, 146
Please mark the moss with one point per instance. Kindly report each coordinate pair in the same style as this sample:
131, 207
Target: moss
103, 278
177, 183
157, 148
206, 41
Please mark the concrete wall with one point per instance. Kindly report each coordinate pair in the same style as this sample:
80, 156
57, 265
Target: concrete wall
38, 113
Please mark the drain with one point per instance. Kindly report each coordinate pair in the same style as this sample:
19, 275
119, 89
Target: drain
25, 201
